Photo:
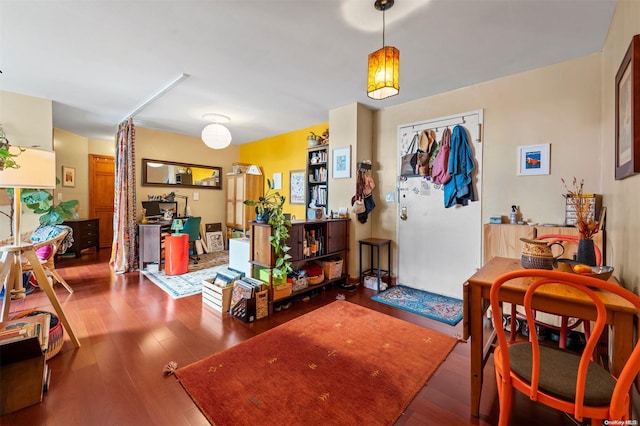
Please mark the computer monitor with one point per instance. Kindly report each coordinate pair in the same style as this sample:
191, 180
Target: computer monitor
152, 208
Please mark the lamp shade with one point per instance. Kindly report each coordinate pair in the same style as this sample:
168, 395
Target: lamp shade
384, 69
176, 226
216, 136
37, 170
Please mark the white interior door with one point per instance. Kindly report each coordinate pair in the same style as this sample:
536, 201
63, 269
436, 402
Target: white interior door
438, 247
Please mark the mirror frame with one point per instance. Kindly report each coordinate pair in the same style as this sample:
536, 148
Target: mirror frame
145, 182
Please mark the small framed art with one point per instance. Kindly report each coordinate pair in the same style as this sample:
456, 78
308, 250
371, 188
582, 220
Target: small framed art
342, 162
627, 105
69, 176
296, 187
534, 159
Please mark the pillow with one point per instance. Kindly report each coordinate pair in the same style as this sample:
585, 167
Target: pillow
44, 252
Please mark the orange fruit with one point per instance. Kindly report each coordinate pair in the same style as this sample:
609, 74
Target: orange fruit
582, 269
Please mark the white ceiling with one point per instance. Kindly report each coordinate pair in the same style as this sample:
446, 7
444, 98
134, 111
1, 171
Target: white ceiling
273, 66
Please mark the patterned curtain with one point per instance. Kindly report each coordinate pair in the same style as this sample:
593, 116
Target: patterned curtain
124, 248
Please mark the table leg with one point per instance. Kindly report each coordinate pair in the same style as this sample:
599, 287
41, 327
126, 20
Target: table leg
360, 277
622, 345
45, 285
476, 348
379, 277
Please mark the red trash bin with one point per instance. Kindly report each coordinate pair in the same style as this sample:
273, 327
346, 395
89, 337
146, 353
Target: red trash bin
176, 254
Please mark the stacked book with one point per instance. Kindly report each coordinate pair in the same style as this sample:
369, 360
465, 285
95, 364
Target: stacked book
243, 298
216, 291
36, 326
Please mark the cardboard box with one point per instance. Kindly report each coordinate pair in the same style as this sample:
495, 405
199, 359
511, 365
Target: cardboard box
23, 374
281, 291
264, 276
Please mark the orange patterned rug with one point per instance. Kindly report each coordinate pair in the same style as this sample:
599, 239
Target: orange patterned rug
341, 364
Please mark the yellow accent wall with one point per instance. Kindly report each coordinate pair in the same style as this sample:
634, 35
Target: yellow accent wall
281, 154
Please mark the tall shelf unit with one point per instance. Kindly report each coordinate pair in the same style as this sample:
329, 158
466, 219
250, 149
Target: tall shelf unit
335, 235
318, 176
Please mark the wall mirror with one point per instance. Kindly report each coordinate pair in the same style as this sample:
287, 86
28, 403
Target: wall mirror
169, 173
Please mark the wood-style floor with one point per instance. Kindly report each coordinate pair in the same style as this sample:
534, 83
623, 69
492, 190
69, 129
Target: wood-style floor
129, 329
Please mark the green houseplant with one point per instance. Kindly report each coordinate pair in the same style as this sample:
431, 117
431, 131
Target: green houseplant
270, 206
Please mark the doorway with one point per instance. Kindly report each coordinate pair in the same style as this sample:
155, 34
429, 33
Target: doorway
101, 195
438, 247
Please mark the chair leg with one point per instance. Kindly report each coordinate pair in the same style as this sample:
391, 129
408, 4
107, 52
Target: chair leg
61, 280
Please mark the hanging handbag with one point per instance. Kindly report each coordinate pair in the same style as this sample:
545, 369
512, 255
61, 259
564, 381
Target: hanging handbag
410, 159
440, 173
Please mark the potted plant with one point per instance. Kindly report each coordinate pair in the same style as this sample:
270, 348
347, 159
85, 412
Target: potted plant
270, 207
585, 221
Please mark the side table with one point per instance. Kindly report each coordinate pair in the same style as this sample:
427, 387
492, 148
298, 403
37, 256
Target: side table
375, 243
176, 254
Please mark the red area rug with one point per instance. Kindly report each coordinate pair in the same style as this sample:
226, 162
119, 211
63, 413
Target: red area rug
341, 364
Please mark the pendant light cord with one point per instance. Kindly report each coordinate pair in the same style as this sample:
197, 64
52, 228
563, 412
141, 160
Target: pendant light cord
383, 25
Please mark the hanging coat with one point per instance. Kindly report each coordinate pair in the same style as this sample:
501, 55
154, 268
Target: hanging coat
459, 190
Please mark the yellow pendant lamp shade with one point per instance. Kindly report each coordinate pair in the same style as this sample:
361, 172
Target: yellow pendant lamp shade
384, 68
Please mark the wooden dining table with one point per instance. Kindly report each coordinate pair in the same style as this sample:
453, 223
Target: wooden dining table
620, 315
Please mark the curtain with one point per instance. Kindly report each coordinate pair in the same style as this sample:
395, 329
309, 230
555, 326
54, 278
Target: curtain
124, 247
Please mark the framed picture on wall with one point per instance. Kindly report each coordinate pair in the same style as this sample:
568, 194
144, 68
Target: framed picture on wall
69, 176
342, 162
533, 160
627, 104
296, 187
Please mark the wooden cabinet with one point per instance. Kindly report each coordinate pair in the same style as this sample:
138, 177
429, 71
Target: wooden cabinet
503, 240
86, 234
317, 176
242, 187
333, 233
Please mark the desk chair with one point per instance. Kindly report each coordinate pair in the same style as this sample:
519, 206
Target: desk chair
192, 227
534, 369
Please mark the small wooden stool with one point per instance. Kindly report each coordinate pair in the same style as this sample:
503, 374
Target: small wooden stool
375, 243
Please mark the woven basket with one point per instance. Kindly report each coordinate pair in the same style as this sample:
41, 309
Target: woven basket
299, 284
262, 304
317, 279
56, 332
332, 268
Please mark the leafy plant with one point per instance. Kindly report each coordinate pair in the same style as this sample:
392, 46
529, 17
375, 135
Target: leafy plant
40, 201
271, 204
7, 158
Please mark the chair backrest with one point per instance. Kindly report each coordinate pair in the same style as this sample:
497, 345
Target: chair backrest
537, 280
570, 239
192, 227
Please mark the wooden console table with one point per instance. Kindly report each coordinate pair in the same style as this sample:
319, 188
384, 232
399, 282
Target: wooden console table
476, 301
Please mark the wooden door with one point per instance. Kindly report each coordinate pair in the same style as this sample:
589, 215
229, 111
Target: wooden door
101, 194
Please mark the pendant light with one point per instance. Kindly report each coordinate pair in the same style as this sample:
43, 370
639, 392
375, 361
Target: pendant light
215, 135
384, 64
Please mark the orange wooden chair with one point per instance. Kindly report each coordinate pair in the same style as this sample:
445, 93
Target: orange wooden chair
534, 369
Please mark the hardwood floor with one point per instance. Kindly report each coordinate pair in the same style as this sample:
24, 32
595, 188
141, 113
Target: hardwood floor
129, 329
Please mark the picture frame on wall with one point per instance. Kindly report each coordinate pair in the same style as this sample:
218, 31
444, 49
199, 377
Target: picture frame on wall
627, 117
341, 162
69, 176
534, 159
296, 187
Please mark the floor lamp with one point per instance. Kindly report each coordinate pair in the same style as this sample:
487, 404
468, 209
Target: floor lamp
37, 169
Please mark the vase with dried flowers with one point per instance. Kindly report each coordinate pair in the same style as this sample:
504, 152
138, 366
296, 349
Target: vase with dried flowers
585, 221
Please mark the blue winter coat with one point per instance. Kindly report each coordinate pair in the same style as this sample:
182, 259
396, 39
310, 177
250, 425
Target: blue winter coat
459, 190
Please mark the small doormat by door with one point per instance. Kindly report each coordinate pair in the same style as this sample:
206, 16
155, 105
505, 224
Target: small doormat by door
440, 308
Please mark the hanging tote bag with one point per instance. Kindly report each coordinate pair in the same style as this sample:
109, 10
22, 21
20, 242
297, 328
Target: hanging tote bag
440, 173
410, 159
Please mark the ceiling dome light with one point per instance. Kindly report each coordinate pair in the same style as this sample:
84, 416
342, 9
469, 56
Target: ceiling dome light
215, 135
